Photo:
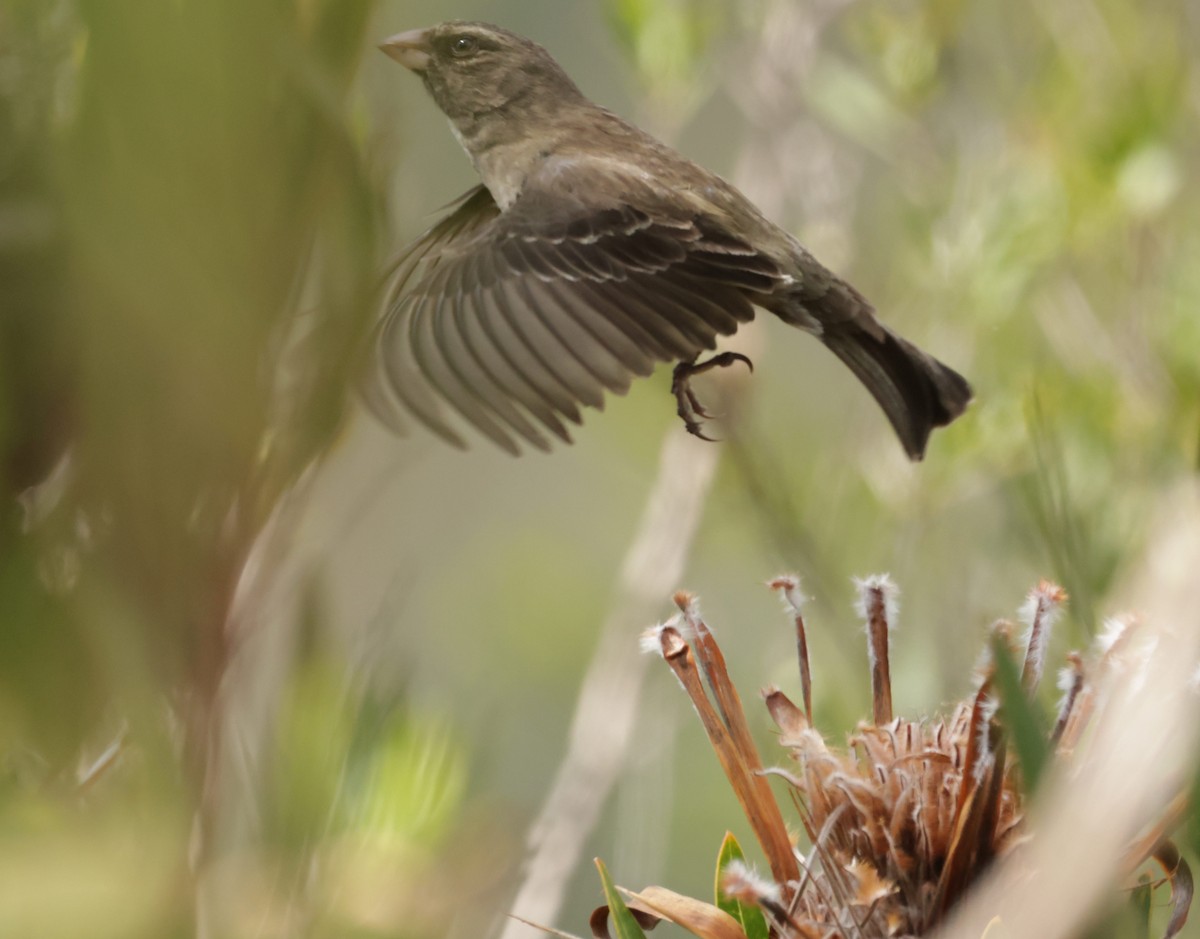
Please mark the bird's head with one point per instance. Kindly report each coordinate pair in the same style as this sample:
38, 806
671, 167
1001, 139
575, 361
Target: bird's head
475, 69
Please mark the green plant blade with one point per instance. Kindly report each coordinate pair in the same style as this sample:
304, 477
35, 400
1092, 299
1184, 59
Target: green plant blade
1023, 721
749, 916
623, 922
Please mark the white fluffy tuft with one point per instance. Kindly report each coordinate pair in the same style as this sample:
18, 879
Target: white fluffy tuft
738, 879
788, 587
1111, 633
883, 587
650, 641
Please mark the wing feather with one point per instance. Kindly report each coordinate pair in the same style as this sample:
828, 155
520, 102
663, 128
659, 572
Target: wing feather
531, 383
537, 352
591, 344
402, 376
476, 367
428, 336
514, 319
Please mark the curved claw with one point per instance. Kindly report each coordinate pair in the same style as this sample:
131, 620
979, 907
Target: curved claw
696, 407
721, 360
694, 429
729, 358
689, 408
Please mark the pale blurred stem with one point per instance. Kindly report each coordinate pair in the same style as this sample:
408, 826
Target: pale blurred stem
1125, 771
262, 605
251, 565
205, 714
795, 172
605, 718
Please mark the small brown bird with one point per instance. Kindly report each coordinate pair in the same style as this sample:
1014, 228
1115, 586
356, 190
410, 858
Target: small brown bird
591, 252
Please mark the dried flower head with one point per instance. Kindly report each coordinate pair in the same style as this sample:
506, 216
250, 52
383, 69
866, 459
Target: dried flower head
906, 818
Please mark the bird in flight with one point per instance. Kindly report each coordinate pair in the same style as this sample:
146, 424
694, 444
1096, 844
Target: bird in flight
589, 253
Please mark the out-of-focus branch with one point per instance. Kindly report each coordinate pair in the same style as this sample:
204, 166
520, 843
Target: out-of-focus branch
1127, 773
606, 710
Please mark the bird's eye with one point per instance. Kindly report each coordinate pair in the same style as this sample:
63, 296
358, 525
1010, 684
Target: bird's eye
463, 46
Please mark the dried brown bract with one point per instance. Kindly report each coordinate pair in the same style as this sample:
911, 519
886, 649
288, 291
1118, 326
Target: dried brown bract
904, 820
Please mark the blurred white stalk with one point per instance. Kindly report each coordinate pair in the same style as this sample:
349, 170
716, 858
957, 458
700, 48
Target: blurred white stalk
1122, 777
262, 623
606, 711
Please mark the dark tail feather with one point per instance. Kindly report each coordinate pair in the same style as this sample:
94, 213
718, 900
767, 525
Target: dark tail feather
915, 390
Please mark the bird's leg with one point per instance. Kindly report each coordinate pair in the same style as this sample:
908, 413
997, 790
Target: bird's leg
689, 407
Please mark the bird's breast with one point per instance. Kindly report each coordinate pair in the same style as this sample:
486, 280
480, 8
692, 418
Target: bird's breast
503, 164
504, 179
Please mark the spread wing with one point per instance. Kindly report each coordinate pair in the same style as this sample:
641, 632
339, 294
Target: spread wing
514, 319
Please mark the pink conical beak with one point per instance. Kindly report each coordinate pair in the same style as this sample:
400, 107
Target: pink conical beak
410, 49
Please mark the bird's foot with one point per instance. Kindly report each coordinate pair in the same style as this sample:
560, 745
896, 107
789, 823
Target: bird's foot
689, 408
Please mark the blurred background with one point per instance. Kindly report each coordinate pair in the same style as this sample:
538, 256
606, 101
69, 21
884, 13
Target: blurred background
266, 670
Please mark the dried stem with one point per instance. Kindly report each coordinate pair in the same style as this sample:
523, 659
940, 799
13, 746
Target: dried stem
789, 588
729, 736
877, 595
1072, 685
1041, 609
767, 816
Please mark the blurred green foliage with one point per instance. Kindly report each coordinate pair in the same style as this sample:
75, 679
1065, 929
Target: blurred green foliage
1026, 204
188, 260
667, 41
191, 203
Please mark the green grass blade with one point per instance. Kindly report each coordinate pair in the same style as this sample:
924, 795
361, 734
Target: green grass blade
622, 920
749, 916
1023, 722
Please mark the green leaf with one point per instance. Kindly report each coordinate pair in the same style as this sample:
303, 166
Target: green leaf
623, 921
749, 916
411, 783
667, 39
1023, 722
